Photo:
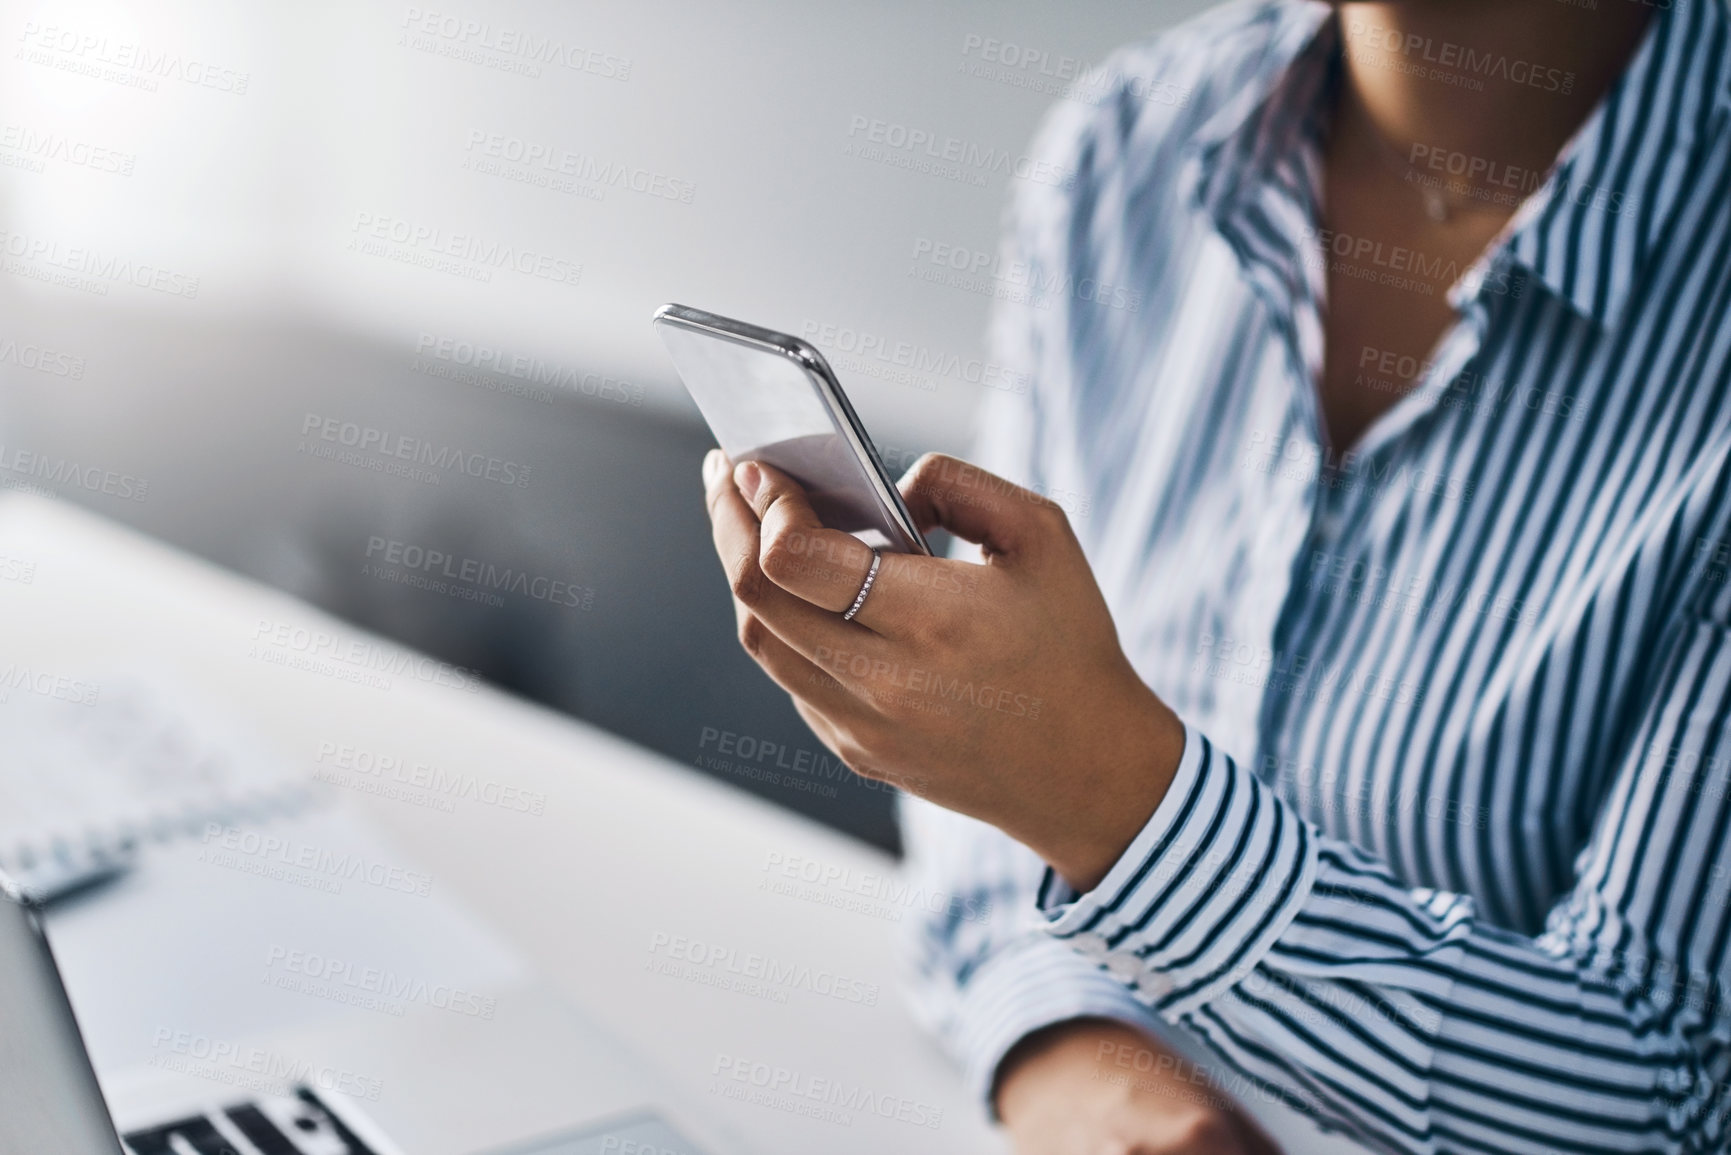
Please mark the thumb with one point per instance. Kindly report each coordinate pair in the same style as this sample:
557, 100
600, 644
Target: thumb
998, 515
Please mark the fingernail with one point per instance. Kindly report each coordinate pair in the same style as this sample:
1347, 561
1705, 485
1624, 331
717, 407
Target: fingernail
749, 478
711, 466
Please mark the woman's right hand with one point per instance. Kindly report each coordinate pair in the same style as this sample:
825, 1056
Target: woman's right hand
1097, 1087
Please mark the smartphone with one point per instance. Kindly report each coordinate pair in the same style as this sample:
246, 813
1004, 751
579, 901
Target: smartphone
771, 397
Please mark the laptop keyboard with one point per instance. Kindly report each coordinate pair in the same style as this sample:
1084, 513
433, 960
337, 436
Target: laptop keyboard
277, 1125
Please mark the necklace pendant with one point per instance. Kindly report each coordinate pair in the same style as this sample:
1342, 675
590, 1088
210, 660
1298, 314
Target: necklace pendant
1435, 206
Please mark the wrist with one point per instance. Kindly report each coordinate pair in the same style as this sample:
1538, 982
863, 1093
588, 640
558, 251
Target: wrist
1118, 793
1050, 1063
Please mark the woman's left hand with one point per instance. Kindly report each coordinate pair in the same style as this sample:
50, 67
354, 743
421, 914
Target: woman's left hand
997, 690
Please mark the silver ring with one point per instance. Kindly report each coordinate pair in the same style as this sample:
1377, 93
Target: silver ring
871, 576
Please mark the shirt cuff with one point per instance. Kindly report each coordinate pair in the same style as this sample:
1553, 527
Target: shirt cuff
1032, 985
1202, 893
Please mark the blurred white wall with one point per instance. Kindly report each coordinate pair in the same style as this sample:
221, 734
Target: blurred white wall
273, 152
220, 218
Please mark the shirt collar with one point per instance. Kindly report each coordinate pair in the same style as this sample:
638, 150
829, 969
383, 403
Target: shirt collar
1585, 232
1257, 134
1254, 167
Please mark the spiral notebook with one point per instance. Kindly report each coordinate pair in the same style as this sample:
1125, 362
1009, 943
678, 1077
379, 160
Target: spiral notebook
92, 768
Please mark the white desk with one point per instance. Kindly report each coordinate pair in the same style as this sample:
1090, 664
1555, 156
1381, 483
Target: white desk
630, 846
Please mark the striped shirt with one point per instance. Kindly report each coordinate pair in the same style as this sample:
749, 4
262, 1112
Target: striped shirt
1448, 856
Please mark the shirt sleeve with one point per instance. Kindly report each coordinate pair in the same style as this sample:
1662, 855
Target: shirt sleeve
1395, 1013
983, 974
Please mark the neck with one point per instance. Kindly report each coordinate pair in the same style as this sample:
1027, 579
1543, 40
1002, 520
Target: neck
1481, 82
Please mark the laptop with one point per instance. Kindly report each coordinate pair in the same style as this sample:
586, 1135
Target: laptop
276, 980
51, 1102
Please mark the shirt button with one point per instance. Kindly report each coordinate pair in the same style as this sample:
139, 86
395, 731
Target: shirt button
1090, 944
1155, 985
1125, 966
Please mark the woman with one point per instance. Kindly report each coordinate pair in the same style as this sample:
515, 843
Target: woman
1370, 728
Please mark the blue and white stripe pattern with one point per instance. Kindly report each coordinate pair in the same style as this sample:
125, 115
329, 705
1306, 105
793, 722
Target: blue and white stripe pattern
1448, 859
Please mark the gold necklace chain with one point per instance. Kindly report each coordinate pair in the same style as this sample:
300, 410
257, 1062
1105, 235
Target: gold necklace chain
1439, 199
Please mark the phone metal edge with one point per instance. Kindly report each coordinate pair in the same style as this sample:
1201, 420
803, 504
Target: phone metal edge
835, 398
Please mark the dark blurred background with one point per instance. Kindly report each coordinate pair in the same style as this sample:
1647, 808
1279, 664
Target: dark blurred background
230, 229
